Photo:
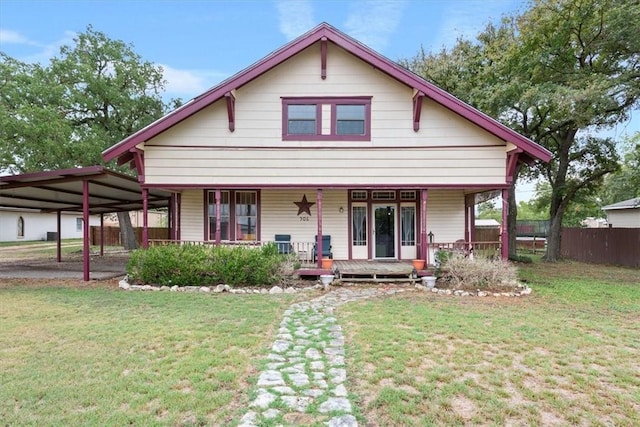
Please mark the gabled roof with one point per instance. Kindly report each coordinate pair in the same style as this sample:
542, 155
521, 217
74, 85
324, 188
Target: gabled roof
325, 31
625, 204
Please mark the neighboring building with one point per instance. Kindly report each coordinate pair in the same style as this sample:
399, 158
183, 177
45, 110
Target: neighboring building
592, 222
324, 136
155, 219
24, 224
625, 214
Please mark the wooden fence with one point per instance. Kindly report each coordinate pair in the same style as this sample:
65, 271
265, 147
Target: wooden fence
112, 235
616, 246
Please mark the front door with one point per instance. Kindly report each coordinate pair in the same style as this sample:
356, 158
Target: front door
384, 231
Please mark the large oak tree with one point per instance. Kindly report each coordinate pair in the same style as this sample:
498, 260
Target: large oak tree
92, 95
559, 73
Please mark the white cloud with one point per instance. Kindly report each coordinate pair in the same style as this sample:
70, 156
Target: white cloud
187, 84
13, 37
373, 21
295, 17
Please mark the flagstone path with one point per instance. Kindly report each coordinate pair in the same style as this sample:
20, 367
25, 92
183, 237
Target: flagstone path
303, 380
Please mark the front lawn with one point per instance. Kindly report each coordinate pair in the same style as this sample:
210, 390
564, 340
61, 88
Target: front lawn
567, 355
103, 357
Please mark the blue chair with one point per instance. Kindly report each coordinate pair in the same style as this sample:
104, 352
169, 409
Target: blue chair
326, 248
283, 242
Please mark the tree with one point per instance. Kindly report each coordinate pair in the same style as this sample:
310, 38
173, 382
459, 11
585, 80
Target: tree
558, 73
94, 94
624, 184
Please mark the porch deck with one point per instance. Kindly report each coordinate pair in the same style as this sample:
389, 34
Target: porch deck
369, 271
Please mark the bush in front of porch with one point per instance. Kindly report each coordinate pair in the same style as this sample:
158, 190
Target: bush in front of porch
200, 265
471, 274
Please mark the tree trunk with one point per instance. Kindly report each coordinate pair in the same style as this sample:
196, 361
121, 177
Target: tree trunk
127, 235
556, 212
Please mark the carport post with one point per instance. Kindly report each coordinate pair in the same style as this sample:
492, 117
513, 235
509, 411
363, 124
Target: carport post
145, 218
85, 229
101, 234
59, 236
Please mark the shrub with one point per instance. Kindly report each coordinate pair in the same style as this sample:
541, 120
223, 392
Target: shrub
195, 265
479, 273
521, 258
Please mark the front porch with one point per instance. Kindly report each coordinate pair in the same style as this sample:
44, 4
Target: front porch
369, 271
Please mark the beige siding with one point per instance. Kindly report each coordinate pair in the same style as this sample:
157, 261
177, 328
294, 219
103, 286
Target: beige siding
202, 150
279, 215
445, 215
624, 218
192, 215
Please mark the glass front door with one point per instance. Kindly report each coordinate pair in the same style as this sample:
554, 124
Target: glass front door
385, 231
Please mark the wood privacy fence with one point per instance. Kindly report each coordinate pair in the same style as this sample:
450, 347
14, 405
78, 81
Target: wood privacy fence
112, 235
617, 246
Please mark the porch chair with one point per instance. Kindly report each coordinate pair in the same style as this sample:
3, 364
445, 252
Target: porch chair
283, 242
326, 248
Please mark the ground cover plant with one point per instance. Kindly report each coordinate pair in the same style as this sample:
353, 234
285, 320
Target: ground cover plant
96, 356
566, 355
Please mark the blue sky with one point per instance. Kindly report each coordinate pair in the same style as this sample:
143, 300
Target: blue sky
202, 42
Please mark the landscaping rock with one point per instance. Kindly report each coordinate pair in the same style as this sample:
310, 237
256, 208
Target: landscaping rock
275, 290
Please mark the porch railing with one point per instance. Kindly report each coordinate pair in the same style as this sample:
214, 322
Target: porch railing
480, 249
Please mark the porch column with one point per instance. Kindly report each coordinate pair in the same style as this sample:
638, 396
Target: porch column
59, 236
319, 239
504, 236
469, 218
85, 230
101, 234
218, 211
423, 227
145, 218
178, 216
170, 217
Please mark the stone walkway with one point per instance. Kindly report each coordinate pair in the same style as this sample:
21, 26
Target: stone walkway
303, 380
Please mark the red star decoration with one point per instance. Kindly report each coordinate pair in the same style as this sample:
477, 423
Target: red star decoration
304, 206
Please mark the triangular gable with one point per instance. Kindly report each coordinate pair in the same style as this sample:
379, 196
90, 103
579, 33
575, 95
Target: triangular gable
325, 32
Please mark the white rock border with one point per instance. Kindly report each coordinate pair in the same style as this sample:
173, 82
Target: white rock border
124, 285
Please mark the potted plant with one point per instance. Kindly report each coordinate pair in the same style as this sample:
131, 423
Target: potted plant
418, 264
327, 263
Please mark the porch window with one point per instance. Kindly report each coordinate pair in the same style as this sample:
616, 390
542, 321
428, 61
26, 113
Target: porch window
383, 195
359, 195
224, 215
246, 215
78, 224
408, 220
359, 224
349, 118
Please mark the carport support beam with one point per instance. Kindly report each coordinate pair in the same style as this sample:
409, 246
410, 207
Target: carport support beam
85, 229
59, 236
504, 237
101, 234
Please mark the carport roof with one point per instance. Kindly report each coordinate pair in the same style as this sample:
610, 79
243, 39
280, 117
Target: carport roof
62, 190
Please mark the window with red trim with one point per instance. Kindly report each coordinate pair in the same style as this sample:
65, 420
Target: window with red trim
349, 119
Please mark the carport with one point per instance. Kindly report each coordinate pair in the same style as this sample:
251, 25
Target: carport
93, 190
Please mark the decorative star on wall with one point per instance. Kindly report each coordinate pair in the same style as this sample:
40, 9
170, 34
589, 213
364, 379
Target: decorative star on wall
304, 206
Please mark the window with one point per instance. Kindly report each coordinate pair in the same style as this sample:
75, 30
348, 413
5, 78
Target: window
349, 119
408, 218
383, 195
246, 215
359, 195
407, 195
78, 224
238, 215
20, 227
359, 224
224, 215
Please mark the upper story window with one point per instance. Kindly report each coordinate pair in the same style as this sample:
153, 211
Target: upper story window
326, 118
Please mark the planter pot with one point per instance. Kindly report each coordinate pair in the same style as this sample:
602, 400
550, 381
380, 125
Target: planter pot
326, 280
327, 264
429, 281
418, 264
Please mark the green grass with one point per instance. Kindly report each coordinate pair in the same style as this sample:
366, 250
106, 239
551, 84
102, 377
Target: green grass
103, 357
569, 354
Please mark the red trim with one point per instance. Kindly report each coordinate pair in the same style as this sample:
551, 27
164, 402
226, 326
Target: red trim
319, 238
85, 230
322, 147
504, 236
352, 46
101, 234
512, 162
125, 158
231, 110
218, 197
59, 239
138, 158
178, 216
423, 226
413, 186
145, 218
323, 58
417, 110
